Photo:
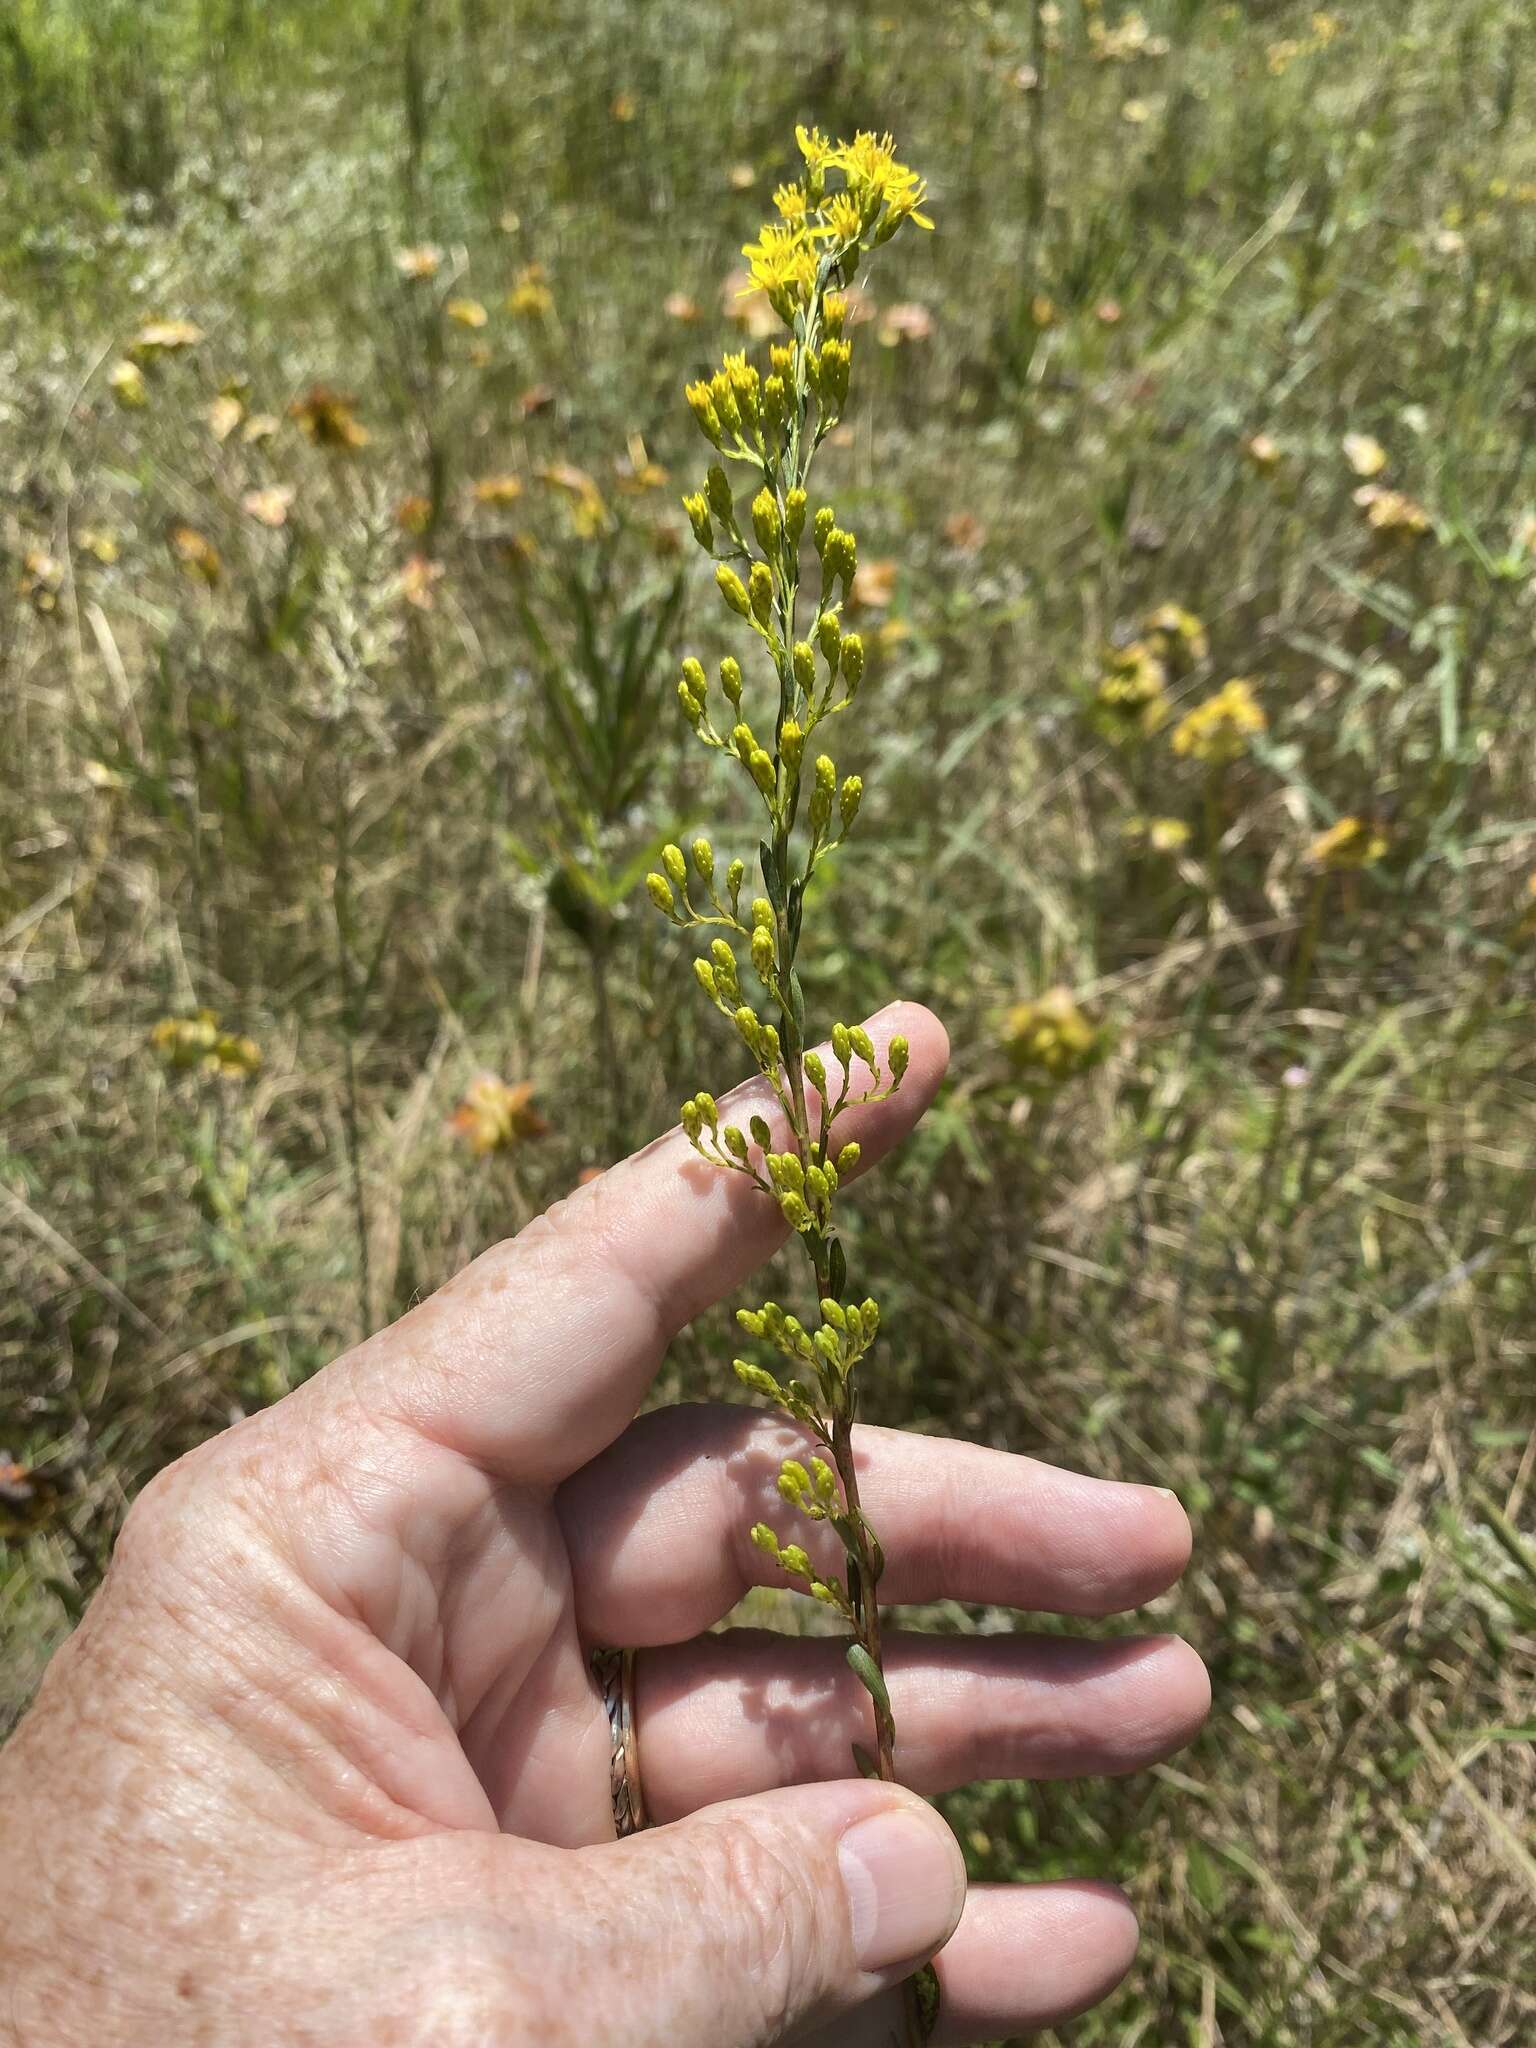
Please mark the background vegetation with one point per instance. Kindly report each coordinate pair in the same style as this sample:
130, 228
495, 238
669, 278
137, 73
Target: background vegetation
312, 733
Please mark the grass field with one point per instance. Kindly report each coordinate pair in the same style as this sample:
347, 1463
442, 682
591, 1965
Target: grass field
1231, 310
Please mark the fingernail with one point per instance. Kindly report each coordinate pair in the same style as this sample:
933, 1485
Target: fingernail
905, 1881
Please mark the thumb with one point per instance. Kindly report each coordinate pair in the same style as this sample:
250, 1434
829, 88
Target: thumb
750, 1920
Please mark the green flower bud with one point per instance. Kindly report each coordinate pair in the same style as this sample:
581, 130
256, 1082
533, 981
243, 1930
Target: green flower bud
761, 1135
853, 661
795, 1213
676, 867
692, 709
765, 1539
751, 1320
753, 1376
660, 893
897, 1053
706, 979
848, 1158
791, 744
735, 875
794, 516
703, 859
761, 766
828, 1347
702, 406
803, 659
829, 636
762, 911
786, 1170
775, 404
735, 1142
863, 1046
869, 1313
818, 1187
842, 1045
816, 1072
822, 526
762, 954
766, 523
836, 356
794, 1560
751, 1031
762, 592
824, 1479
813, 371
692, 1122
769, 1046
725, 401
733, 590
726, 980
794, 1482
730, 680
832, 1312
717, 487
852, 797
743, 742
709, 1109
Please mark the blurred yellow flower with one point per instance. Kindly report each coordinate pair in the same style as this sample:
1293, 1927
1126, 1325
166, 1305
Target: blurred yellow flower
1051, 1040
42, 578
1130, 700
95, 540
125, 381
270, 506
1351, 843
1264, 452
467, 312
530, 296
418, 582
198, 1043
330, 420
874, 585
261, 426
166, 337
589, 515
624, 106
1128, 40
1364, 454
1160, 835
1393, 512
224, 415
196, 554
419, 264
413, 512
496, 1117
498, 490
679, 306
1176, 634
1219, 730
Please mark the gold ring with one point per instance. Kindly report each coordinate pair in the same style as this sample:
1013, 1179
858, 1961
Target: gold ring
614, 1674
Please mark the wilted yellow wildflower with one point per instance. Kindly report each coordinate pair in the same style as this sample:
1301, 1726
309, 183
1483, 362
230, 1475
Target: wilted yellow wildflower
1131, 698
419, 264
197, 1042
467, 312
196, 554
1364, 454
166, 337
125, 381
1393, 512
496, 1117
224, 415
270, 506
498, 490
1351, 843
330, 420
1051, 1040
1219, 730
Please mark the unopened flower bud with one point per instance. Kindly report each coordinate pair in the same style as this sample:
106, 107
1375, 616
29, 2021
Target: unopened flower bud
824, 524
762, 911
753, 1376
834, 312
692, 709
730, 680
852, 796
795, 1213
765, 1539
898, 1053
691, 1120
804, 659
816, 1072
735, 875
706, 979
791, 744
698, 519
725, 401
660, 892
794, 516
762, 592
733, 590
863, 1046
842, 1049
829, 638
775, 404
853, 661
766, 523
761, 1135
676, 867
762, 953
735, 1142
835, 359
703, 859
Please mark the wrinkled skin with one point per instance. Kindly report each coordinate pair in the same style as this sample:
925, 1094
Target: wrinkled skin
324, 1763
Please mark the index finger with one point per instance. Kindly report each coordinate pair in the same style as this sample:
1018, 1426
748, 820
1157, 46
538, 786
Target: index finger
536, 1356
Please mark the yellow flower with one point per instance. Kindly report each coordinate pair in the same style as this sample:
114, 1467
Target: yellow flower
95, 540
1160, 835
224, 415
198, 1043
841, 219
791, 201
269, 507
42, 578
1351, 843
1364, 454
1393, 512
419, 264
1218, 731
877, 180
413, 512
167, 337
1051, 1040
782, 263
1131, 699
530, 297
815, 148
498, 490
196, 554
494, 1117
330, 420
125, 381
1176, 631
467, 312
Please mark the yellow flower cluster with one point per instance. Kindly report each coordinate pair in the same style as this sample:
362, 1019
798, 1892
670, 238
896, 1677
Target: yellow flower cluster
1219, 730
197, 1042
1351, 843
1131, 700
496, 1116
818, 226
1051, 1040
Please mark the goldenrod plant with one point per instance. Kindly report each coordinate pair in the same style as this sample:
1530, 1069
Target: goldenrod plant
784, 571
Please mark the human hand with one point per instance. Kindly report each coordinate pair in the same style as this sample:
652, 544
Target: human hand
325, 1762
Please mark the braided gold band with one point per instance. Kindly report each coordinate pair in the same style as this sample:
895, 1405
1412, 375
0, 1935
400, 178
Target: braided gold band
614, 1674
